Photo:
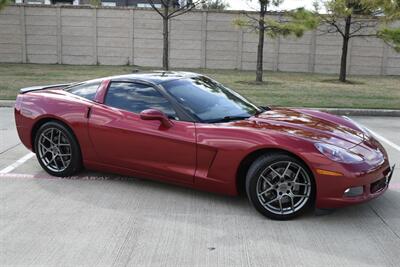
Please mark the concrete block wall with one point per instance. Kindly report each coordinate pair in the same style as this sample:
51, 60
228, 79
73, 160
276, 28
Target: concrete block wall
328, 49
186, 41
392, 62
200, 39
41, 34
222, 46
77, 36
295, 53
12, 42
114, 37
249, 52
147, 40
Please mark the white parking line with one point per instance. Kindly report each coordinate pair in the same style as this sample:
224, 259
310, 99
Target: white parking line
390, 143
17, 163
89, 177
16, 175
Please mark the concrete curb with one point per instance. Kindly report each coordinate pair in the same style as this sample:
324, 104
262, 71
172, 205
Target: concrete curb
7, 103
362, 112
336, 111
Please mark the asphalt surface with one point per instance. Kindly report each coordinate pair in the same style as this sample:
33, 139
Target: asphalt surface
97, 219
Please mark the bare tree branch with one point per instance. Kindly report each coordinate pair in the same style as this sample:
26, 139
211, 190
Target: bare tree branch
252, 22
336, 26
331, 21
184, 9
246, 14
180, 11
357, 26
363, 35
167, 11
155, 8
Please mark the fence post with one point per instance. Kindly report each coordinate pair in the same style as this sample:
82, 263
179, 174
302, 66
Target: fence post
313, 46
23, 33
94, 23
203, 62
349, 56
59, 36
385, 55
275, 66
131, 37
239, 54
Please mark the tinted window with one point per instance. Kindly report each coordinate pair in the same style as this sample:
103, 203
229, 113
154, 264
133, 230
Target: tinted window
137, 97
87, 90
209, 100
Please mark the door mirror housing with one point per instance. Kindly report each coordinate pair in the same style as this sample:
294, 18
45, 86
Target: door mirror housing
154, 114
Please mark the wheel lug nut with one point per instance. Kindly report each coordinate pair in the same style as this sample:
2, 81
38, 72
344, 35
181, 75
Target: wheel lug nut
287, 192
280, 193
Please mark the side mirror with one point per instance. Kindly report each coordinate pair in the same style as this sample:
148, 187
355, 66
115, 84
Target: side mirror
154, 114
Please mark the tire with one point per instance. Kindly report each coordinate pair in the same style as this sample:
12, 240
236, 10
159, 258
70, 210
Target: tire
57, 150
274, 189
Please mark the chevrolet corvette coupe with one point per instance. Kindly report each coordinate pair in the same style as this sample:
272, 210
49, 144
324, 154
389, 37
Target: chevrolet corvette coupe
188, 129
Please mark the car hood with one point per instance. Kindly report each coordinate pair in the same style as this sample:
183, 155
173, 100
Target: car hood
307, 124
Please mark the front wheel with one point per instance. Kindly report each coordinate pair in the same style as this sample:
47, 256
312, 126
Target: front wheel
279, 186
57, 150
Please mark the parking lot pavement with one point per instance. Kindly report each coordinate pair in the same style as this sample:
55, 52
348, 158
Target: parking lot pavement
100, 219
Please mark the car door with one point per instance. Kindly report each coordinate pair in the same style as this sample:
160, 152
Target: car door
121, 138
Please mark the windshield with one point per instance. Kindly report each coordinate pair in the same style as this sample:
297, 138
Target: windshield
210, 101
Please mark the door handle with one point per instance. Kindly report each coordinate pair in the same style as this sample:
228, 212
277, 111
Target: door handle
89, 110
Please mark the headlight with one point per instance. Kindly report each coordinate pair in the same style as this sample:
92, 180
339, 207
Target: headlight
337, 154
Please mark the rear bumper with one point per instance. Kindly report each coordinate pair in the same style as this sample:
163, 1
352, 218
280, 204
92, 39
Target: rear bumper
331, 192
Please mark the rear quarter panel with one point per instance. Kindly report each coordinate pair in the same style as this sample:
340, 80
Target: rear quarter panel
34, 107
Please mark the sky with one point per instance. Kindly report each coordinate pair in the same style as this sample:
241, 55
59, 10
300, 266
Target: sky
287, 4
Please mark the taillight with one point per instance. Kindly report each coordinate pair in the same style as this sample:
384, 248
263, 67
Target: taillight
18, 102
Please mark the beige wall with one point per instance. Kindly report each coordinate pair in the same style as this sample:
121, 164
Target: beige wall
111, 36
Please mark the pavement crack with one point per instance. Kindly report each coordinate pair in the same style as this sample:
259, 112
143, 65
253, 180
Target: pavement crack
10, 148
384, 222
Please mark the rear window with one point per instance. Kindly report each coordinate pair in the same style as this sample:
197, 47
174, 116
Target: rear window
86, 90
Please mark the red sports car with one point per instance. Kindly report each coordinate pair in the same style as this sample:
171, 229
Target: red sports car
190, 130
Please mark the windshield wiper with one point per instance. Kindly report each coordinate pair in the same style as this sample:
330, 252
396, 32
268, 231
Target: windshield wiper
229, 118
261, 110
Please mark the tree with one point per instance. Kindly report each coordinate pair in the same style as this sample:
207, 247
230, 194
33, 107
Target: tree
169, 9
390, 9
3, 3
391, 37
286, 23
359, 18
96, 3
215, 4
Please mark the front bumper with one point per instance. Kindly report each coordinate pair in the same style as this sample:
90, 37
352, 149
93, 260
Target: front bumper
331, 190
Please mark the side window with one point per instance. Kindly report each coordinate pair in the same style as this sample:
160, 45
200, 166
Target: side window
86, 90
136, 97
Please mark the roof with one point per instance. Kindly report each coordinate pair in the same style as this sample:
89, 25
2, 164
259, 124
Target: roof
155, 77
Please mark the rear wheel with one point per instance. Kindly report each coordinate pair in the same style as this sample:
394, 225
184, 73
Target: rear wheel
57, 150
279, 186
